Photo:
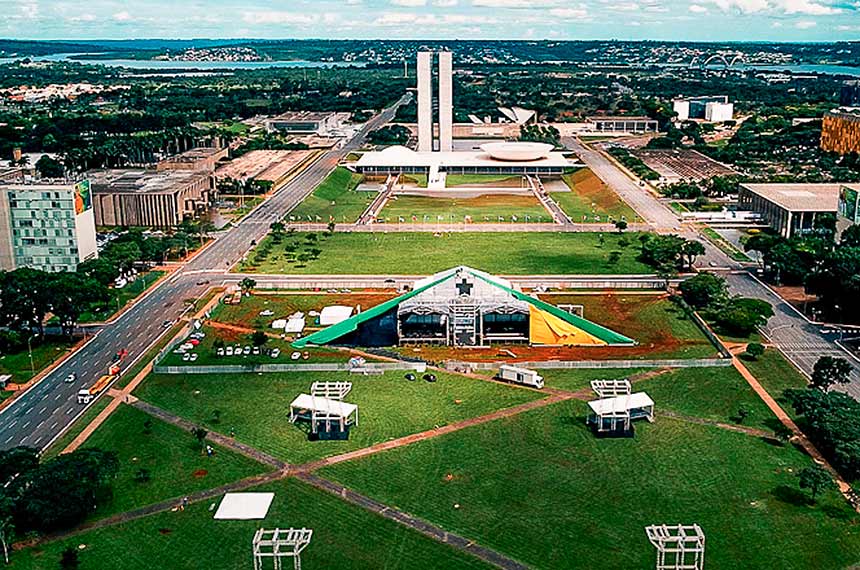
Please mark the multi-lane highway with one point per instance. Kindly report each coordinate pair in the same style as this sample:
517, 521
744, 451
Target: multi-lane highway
36, 417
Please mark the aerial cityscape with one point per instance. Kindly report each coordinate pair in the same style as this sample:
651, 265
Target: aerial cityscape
430, 284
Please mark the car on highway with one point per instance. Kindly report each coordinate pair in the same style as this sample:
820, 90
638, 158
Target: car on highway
203, 282
166, 324
71, 378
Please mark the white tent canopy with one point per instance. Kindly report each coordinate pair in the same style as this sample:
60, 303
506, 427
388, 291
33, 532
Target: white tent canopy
638, 405
316, 409
244, 506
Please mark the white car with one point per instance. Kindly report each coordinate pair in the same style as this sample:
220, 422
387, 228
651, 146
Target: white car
194, 357
246, 351
276, 352
228, 351
71, 378
219, 351
186, 357
256, 350
267, 313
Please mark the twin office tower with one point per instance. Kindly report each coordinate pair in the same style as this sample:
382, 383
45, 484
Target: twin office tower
425, 102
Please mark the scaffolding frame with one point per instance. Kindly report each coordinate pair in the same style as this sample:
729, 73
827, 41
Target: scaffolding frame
331, 390
611, 388
278, 544
679, 547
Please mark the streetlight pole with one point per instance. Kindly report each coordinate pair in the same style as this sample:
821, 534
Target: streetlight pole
30, 353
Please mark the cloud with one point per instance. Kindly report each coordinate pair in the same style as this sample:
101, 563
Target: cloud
353, 2
409, 3
579, 13
82, 18
743, 6
409, 18
123, 16
445, 3
808, 7
517, 3
698, 9
277, 17
804, 24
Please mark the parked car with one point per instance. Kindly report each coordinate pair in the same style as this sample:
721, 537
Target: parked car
186, 357
228, 351
256, 350
267, 313
276, 352
219, 351
194, 356
247, 350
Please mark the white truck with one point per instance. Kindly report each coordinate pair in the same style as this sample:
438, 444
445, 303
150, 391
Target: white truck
517, 375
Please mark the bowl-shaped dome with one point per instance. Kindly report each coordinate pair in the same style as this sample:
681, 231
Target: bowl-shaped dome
517, 151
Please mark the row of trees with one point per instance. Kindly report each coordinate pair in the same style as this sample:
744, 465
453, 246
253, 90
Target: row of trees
669, 253
53, 495
738, 316
815, 259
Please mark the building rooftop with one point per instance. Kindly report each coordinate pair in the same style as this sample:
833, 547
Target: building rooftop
303, 116
141, 181
193, 154
801, 197
620, 118
402, 156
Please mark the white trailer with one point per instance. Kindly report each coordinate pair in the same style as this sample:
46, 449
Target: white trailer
519, 375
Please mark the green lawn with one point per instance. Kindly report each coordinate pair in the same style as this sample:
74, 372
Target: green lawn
713, 393
121, 297
590, 200
257, 406
177, 466
76, 428
482, 209
541, 488
345, 537
18, 364
336, 197
776, 374
575, 379
424, 253
452, 180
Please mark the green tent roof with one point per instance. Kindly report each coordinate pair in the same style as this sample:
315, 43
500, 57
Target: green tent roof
351, 324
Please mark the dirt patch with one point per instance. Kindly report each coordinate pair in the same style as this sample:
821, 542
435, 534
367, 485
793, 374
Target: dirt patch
165, 531
586, 184
200, 473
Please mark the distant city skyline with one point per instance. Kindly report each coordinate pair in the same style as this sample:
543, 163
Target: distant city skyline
692, 20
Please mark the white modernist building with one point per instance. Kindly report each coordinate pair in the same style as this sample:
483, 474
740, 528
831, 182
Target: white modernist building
445, 103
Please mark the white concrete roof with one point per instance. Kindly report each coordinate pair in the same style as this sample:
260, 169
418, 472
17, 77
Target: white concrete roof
800, 197
402, 156
244, 506
620, 403
334, 314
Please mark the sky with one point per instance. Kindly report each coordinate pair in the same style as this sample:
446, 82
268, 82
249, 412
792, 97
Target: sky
696, 20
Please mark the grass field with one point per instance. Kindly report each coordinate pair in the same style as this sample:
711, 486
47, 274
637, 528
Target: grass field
454, 180
501, 253
18, 364
336, 197
480, 209
345, 537
176, 465
777, 375
590, 200
77, 427
575, 379
542, 489
257, 406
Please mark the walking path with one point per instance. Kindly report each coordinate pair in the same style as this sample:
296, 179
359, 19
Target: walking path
427, 529
799, 436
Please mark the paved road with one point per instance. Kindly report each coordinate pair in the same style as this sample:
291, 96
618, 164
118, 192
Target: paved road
801, 341
44, 411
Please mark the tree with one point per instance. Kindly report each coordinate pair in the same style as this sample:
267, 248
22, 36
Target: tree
63, 491
247, 284
147, 426
704, 290
742, 415
620, 225
851, 236
815, 478
754, 350
142, 475
829, 370
47, 167
200, 435
7, 524
690, 250
259, 338
662, 251
69, 559
741, 316
16, 462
